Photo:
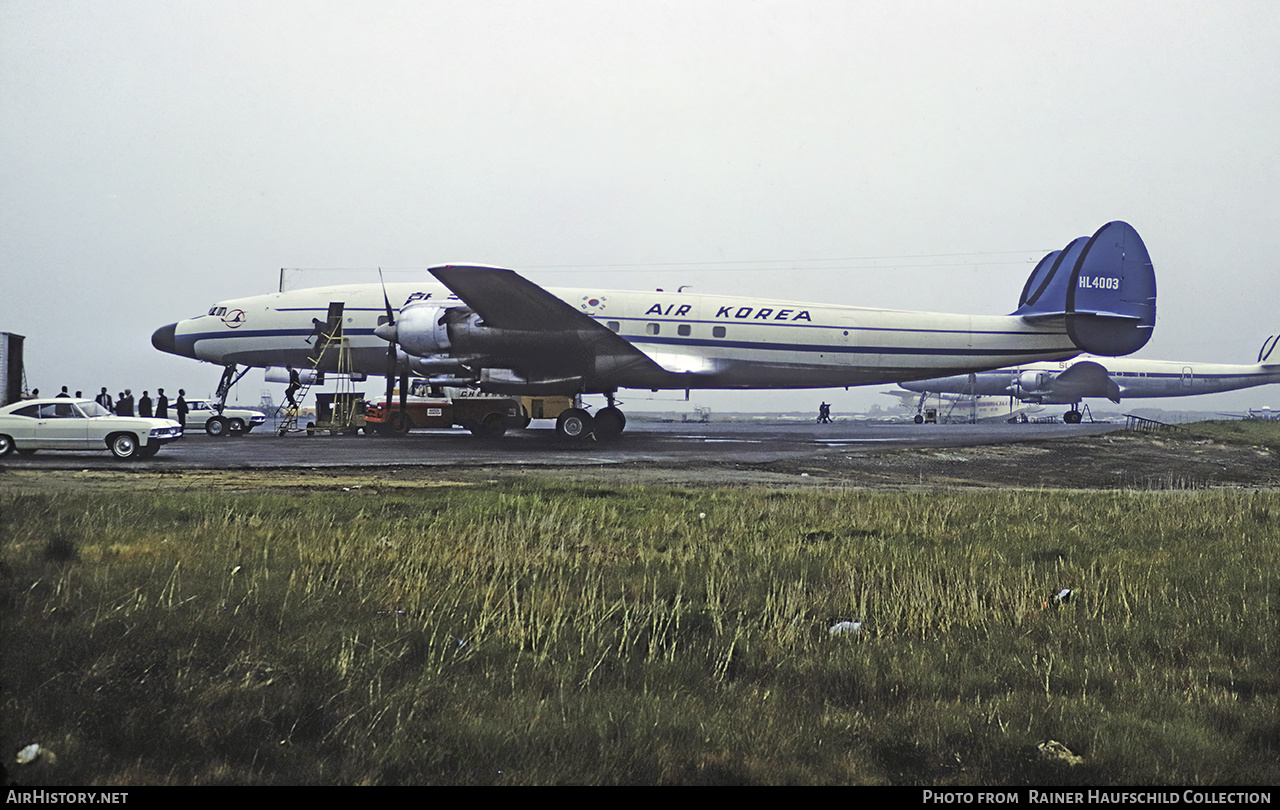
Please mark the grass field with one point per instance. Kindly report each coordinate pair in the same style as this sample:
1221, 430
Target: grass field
288, 629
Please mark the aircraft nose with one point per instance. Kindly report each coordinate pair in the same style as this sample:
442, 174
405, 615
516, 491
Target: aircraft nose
164, 340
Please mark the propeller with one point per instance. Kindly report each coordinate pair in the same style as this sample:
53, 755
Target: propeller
389, 333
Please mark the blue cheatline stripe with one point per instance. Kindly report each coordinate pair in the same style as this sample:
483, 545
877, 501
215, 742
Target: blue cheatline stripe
793, 325
814, 348
697, 342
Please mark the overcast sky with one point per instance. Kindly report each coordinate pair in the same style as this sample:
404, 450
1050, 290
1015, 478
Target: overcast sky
160, 156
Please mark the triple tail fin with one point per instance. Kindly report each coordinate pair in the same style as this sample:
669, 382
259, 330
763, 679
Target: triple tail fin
1268, 347
1103, 287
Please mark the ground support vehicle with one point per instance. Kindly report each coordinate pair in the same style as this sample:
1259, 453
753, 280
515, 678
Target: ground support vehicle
484, 416
339, 412
63, 423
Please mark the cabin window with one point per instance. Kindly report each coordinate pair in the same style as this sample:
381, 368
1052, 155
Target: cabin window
684, 330
651, 329
613, 326
717, 331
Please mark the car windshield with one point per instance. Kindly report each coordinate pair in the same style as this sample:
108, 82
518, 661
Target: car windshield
93, 409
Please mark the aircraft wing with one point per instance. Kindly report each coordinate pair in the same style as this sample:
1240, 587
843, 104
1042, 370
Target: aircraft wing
1085, 379
506, 300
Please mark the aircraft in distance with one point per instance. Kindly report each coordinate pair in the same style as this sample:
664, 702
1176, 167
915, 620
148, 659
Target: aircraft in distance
963, 408
1066, 382
492, 329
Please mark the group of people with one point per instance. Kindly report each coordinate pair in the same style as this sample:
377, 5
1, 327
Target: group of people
123, 405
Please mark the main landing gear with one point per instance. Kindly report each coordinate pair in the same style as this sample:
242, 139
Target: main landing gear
577, 424
1074, 416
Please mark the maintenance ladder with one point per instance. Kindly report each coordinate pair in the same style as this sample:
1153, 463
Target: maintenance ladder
328, 335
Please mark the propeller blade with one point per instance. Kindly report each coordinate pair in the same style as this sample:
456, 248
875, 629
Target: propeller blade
390, 336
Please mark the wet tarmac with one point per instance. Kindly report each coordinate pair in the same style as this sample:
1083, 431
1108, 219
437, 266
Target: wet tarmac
675, 444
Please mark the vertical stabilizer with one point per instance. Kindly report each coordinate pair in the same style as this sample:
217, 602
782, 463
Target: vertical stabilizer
1103, 287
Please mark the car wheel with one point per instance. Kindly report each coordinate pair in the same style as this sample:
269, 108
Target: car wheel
123, 445
216, 426
236, 426
6, 445
494, 425
400, 422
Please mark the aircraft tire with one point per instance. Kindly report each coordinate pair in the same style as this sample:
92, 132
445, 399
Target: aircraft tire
919, 419
1072, 417
574, 424
216, 426
610, 422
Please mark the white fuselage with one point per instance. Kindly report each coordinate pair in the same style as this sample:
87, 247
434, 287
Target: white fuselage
1135, 378
698, 341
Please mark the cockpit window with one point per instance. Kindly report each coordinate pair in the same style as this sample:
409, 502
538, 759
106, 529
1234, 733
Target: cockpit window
217, 310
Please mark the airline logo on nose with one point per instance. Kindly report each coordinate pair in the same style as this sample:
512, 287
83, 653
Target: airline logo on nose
234, 318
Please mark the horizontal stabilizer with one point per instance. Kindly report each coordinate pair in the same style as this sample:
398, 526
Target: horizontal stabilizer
1103, 287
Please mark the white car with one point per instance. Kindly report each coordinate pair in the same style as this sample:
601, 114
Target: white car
203, 413
81, 424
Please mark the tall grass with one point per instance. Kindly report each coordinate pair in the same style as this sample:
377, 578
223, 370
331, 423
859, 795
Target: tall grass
521, 632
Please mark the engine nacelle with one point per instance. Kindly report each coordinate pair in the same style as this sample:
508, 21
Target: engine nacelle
421, 330
1032, 381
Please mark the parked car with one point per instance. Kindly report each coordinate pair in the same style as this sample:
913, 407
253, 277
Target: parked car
81, 424
203, 413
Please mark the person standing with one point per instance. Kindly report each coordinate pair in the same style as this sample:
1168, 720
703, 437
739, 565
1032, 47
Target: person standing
124, 405
162, 404
294, 385
181, 407
64, 393
144, 405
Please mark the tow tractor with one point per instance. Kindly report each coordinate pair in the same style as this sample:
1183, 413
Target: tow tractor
484, 415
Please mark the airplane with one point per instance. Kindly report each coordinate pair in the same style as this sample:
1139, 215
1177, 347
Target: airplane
1066, 382
492, 329
965, 408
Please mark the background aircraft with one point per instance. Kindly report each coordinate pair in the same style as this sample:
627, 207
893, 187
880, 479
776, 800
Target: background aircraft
493, 329
1066, 382
964, 408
